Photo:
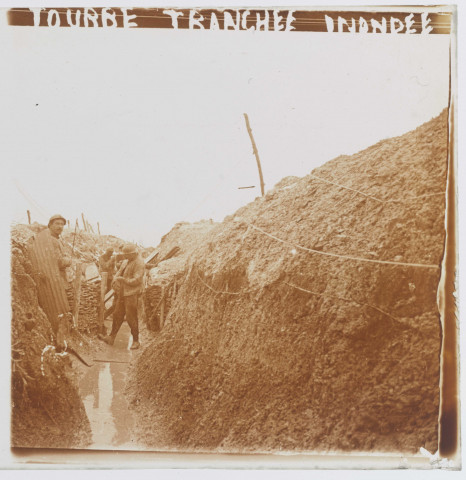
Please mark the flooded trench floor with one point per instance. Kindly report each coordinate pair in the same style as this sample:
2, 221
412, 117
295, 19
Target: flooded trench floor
102, 391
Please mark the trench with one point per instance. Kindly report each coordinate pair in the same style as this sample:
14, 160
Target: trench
102, 392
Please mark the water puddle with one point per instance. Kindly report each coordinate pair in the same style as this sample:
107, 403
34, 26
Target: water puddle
102, 391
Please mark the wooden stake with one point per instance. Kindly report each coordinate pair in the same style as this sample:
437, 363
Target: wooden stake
75, 233
98, 227
256, 153
29, 216
103, 288
77, 292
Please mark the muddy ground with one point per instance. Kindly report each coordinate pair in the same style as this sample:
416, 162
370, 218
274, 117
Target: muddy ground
272, 345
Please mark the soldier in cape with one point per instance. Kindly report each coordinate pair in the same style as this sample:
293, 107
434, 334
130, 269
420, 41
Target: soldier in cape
50, 260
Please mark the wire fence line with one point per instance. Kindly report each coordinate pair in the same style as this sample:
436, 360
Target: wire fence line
323, 295
345, 187
223, 292
226, 292
350, 300
335, 255
346, 257
371, 196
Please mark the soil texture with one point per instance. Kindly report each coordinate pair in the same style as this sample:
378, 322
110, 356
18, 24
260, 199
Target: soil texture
308, 320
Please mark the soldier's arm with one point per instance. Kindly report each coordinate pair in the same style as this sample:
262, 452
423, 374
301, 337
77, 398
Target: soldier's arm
63, 259
122, 268
64, 262
137, 277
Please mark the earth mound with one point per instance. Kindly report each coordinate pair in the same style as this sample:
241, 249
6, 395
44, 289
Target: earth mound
308, 321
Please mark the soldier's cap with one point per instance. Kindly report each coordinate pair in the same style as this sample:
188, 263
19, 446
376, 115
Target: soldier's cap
56, 217
127, 249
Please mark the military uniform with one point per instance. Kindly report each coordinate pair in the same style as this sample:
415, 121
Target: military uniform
127, 293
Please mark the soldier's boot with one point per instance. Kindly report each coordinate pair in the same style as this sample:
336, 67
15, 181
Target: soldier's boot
108, 339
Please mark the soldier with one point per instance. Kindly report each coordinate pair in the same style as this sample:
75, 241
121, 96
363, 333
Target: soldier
50, 261
128, 285
107, 264
55, 228
119, 257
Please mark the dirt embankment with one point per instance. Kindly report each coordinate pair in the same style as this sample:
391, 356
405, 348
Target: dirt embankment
89, 246
46, 408
181, 241
169, 268
269, 346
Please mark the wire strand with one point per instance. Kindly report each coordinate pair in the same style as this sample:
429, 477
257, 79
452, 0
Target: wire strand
371, 196
349, 300
224, 292
346, 257
343, 298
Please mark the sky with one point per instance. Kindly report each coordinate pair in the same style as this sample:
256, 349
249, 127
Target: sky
140, 129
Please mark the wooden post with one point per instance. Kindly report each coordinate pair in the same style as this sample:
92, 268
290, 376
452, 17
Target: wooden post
75, 233
29, 216
256, 153
77, 292
84, 222
98, 227
103, 289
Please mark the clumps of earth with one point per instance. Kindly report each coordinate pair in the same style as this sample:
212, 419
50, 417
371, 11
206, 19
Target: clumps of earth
282, 338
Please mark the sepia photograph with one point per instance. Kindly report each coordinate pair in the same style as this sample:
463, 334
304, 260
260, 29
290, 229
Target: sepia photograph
232, 231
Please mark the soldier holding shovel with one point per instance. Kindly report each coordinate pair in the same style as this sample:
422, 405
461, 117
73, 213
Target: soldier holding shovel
128, 285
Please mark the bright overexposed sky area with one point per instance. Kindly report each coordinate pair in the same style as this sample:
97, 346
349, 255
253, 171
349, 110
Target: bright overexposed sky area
142, 128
